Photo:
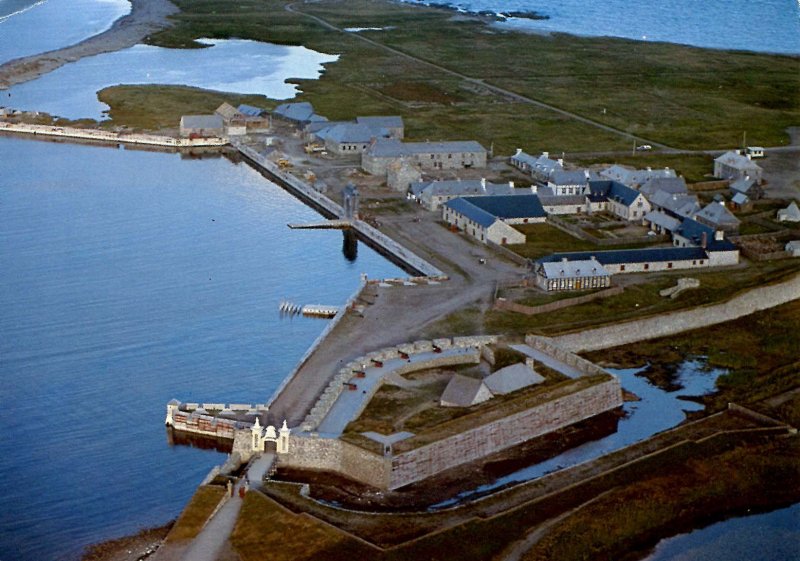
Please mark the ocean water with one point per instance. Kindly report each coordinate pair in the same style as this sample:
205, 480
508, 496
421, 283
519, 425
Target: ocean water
754, 25
773, 536
234, 65
128, 278
30, 27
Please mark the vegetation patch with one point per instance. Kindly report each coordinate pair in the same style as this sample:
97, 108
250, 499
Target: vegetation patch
196, 513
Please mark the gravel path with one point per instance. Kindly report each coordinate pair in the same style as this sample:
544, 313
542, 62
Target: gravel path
146, 17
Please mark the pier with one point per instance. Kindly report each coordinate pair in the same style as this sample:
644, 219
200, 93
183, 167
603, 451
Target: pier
109, 136
368, 234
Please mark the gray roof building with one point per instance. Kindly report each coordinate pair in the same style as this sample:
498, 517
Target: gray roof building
676, 204
635, 177
463, 391
671, 185
512, 378
663, 222
717, 215
507, 207
302, 112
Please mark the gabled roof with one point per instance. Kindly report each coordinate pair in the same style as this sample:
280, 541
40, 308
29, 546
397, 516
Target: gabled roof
577, 177
671, 185
717, 213
510, 207
300, 112
512, 378
202, 121
351, 132
664, 220
791, 213
742, 185
625, 256
250, 111
466, 208
684, 205
461, 188
524, 158
612, 190
740, 199
693, 231
444, 147
463, 391
388, 148
388, 122
635, 177
574, 268
228, 111
737, 161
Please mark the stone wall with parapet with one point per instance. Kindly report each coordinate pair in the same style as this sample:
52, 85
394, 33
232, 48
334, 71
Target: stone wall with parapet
498, 435
547, 346
331, 454
386, 472
675, 322
336, 386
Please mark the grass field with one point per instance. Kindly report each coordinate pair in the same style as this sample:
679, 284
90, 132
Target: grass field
196, 513
677, 95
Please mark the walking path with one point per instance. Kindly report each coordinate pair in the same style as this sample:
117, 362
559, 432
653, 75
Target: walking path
208, 545
548, 361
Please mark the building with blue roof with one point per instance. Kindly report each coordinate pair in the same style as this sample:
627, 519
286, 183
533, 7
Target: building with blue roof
617, 199
489, 219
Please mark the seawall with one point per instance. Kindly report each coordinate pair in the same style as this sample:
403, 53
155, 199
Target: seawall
675, 322
108, 136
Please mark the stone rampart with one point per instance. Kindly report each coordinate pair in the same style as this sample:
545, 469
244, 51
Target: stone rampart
109, 136
498, 435
675, 322
331, 454
503, 304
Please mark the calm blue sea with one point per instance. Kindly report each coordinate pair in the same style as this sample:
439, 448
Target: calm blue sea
754, 25
128, 278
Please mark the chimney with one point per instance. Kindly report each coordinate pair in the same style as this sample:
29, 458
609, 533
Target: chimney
704, 240
719, 235
530, 363
511, 184
546, 154
649, 168
561, 162
534, 189
564, 260
586, 173
519, 151
483, 184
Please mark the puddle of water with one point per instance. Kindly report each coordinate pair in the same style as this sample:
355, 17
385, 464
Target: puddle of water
235, 65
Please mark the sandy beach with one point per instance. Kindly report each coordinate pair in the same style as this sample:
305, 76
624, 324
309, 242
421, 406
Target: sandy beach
146, 17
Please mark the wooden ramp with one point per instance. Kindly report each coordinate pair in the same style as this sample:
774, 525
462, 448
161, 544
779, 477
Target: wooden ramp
327, 225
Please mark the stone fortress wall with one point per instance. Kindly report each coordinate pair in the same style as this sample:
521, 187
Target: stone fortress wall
675, 322
311, 451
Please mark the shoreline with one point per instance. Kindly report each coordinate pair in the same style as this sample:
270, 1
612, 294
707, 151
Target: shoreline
146, 17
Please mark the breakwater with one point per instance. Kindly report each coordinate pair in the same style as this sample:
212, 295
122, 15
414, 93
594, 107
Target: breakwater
109, 136
373, 237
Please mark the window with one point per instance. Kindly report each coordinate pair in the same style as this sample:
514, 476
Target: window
622, 267
646, 266
669, 265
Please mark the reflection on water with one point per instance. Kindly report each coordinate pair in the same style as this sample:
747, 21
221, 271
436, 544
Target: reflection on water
774, 536
657, 411
237, 66
350, 245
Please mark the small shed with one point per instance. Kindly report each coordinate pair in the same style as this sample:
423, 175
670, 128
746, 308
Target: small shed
463, 391
789, 214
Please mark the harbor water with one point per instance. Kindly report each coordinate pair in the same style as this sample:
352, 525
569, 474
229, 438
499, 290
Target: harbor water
128, 278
